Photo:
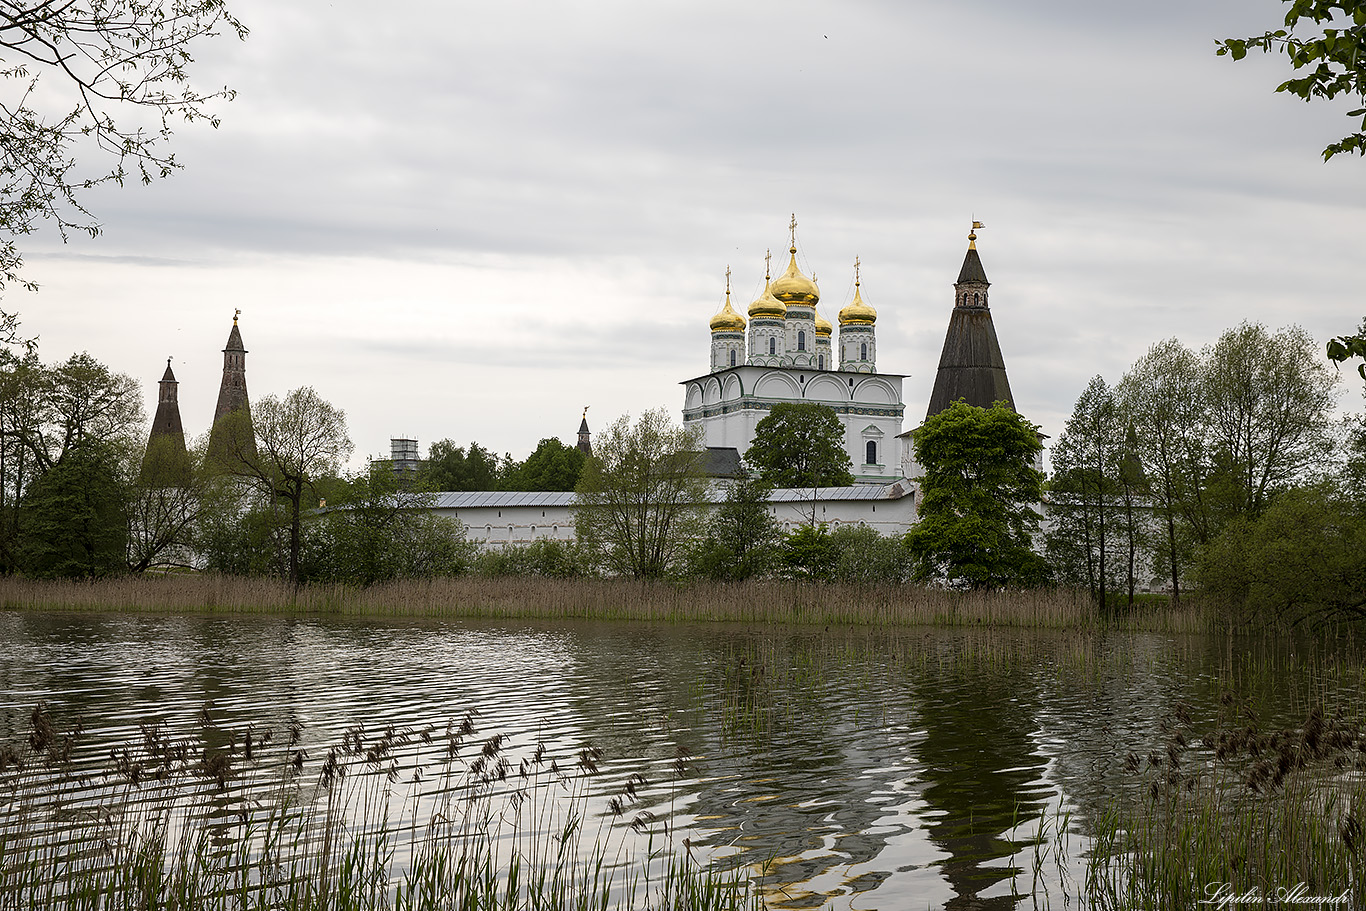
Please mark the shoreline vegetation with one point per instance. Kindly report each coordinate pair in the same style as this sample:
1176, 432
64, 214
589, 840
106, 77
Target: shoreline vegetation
539, 598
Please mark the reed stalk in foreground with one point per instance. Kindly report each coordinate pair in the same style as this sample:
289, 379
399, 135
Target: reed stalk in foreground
533, 597
405, 820
1261, 815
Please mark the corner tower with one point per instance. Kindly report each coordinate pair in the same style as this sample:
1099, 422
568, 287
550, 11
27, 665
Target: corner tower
166, 462
970, 367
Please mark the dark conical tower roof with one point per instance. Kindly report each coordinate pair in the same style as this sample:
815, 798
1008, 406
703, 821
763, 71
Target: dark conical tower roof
971, 366
972, 270
166, 462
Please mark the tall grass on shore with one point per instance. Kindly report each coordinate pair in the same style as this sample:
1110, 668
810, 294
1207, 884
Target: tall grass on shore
1256, 817
167, 825
607, 599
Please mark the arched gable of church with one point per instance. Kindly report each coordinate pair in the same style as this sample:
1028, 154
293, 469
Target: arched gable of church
733, 389
827, 389
711, 390
875, 391
777, 386
694, 397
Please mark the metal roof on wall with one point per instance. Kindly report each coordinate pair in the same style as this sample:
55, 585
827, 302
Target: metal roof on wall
508, 498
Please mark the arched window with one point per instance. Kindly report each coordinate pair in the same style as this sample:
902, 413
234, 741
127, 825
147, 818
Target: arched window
801, 339
976, 298
871, 458
863, 352
732, 357
773, 346
820, 362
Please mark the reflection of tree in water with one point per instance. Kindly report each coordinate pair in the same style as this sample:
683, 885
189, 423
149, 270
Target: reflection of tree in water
982, 775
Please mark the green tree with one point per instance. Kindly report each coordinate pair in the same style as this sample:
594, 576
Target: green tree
73, 522
163, 506
98, 82
298, 441
1268, 398
452, 467
742, 535
1331, 53
641, 496
553, 466
865, 557
1160, 398
1303, 559
374, 531
800, 445
977, 498
1082, 492
809, 554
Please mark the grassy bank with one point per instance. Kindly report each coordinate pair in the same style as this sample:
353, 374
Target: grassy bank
607, 599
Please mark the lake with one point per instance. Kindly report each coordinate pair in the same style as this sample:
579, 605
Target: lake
915, 768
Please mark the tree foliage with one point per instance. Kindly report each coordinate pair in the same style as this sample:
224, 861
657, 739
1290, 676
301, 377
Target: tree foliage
374, 531
552, 466
1326, 42
742, 535
800, 445
284, 449
641, 496
1303, 559
452, 467
977, 498
73, 523
99, 81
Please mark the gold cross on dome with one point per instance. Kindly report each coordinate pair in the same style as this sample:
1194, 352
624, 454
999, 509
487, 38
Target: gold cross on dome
792, 228
856, 266
768, 264
727, 281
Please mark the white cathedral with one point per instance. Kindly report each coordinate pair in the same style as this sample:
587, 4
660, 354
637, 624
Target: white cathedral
786, 353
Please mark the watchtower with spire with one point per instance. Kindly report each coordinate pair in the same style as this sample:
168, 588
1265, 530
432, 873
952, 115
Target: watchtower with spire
232, 399
585, 444
971, 366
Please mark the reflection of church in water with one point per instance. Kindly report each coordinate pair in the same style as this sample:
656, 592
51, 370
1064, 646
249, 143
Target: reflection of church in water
786, 352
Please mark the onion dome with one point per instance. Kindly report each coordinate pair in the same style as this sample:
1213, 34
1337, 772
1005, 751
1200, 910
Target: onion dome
768, 306
794, 288
727, 320
823, 326
858, 313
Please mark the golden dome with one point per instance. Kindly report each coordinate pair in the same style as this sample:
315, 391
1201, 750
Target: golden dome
794, 288
823, 326
727, 320
768, 306
858, 313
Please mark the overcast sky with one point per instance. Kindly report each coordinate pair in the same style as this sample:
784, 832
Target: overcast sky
470, 220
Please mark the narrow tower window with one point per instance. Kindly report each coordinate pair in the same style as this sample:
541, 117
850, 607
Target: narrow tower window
773, 346
976, 298
732, 357
863, 352
871, 458
820, 362
801, 340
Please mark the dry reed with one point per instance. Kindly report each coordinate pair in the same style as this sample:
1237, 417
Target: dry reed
531, 597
